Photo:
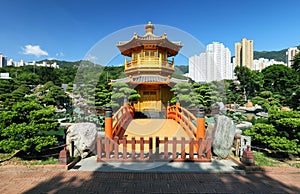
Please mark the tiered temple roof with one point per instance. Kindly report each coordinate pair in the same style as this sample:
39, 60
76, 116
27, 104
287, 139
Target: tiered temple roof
146, 68
149, 39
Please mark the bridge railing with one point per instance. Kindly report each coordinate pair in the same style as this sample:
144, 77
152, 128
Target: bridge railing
117, 124
179, 150
121, 119
183, 117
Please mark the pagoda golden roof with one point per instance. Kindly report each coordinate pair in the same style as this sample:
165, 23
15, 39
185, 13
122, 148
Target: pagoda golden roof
149, 40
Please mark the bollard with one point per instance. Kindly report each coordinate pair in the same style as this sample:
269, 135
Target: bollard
64, 156
72, 148
247, 157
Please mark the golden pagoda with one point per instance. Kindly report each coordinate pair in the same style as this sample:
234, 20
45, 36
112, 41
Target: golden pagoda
150, 69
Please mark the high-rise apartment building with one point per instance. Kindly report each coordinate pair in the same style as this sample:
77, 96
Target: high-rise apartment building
3, 61
238, 54
213, 64
290, 53
244, 53
261, 63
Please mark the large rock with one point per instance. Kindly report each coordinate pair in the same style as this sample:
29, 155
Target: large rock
84, 136
223, 136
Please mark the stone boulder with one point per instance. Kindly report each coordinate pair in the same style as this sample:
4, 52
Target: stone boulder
223, 136
84, 136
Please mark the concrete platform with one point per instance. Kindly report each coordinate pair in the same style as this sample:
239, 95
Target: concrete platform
224, 166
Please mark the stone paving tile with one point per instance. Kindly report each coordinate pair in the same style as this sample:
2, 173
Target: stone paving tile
41, 180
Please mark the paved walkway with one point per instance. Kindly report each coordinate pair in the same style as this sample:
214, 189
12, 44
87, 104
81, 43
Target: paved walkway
155, 127
224, 166
52, 179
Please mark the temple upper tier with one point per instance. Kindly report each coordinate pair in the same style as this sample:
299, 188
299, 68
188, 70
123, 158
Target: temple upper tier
149, 53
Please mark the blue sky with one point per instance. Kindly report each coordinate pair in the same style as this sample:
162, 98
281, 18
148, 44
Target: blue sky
68, 29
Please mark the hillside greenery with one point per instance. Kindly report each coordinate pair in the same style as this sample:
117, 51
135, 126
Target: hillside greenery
277, 55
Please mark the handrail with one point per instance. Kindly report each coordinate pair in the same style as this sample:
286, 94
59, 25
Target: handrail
183, 117
121, 119
153, 149
149, 63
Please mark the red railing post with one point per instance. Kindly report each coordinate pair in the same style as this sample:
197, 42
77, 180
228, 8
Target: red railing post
156, 147
142, 148
166, 148
174, 143
99, 149
182, 148
191, 149
208, 148
116, 147
133, 147
124, 147
150, 147
199, 143
108, 147
177, 119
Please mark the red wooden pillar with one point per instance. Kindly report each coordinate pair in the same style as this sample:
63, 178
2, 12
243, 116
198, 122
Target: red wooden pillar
200, 123
200, 133
108, 122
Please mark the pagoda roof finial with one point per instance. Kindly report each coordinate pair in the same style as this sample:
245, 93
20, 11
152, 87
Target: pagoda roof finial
149, 28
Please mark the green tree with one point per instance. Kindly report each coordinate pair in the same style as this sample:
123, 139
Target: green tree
52, 94
120, 91
266, 135
268, 99
280, 79
6, 87
47, 74
24, 127
296, 62
103, 95
186, 95
66, 75
281, 132
20, 92
250, 81
27, 78
234, 93
203, 94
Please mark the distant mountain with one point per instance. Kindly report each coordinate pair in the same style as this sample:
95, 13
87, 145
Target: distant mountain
182, 69
63, 64
277, 55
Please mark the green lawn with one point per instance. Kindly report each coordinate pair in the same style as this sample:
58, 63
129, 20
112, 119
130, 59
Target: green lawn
261, 159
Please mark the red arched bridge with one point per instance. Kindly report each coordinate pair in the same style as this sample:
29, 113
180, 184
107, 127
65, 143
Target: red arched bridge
178, 137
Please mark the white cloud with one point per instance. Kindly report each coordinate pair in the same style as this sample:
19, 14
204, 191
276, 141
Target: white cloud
91, 58
34, 50
60, 54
